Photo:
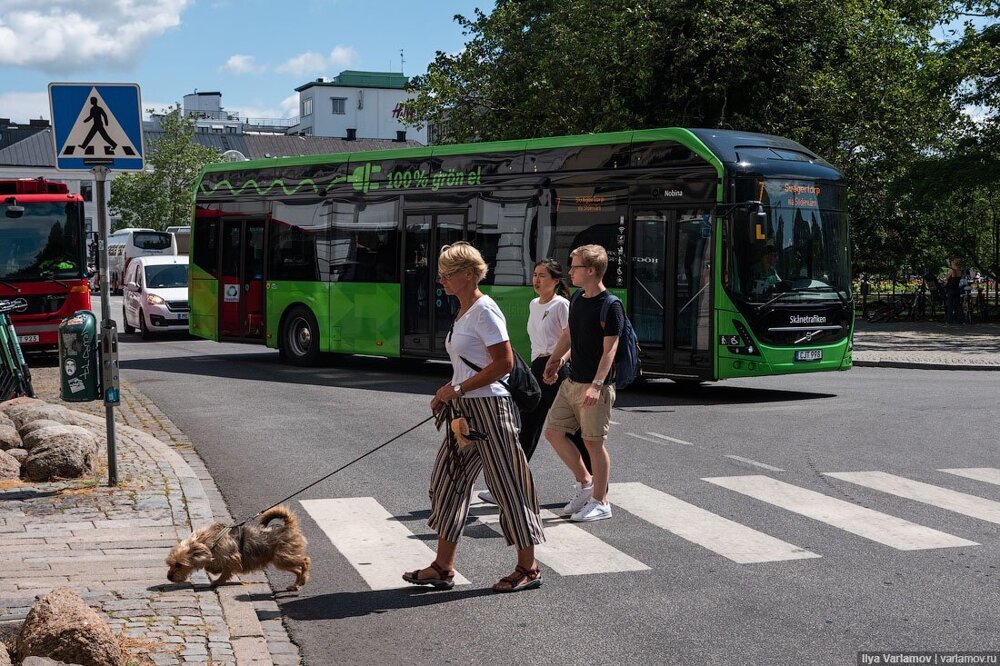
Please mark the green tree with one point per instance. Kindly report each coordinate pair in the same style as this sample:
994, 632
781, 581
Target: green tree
868, 84
163, 194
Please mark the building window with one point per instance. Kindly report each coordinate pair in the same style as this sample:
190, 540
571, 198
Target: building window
307, 106
339, 105
87, 191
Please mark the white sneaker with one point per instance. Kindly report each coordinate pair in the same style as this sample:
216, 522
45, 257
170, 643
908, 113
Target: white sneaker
593, 510
580, 498
487, 497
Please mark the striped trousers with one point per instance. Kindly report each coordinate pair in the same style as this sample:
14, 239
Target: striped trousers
501, 459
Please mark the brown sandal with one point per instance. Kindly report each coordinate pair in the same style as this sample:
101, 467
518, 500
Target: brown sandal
445, 580
521, 579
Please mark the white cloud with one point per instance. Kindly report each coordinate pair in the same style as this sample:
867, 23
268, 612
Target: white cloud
309, 62
21, 107
242, 64
290, 106
62, 36
343, 56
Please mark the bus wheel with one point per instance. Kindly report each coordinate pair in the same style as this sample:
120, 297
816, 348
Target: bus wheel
300, 337
125, 326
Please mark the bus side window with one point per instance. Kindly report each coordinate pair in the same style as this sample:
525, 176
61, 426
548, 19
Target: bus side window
206, 246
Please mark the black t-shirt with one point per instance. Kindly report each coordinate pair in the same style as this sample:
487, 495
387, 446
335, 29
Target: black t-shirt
587, 336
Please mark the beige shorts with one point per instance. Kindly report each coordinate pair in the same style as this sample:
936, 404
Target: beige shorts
568, 415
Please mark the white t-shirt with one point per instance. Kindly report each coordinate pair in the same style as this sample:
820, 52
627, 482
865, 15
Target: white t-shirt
546, 323
482, 326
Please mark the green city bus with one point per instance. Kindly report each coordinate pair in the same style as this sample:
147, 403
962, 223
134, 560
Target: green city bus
730, 249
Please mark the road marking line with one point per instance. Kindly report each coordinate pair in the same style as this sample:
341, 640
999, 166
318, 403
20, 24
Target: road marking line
572, 551
987, 474
645, 439
730, 539
378, 546
670, 439
867, 523
756, 464
944, 498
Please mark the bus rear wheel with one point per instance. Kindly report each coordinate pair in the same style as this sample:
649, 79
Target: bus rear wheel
300, 337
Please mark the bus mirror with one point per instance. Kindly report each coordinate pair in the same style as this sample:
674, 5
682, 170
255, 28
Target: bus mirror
757, 215
14, 211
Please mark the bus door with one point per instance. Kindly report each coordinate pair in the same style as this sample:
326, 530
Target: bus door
689, 296
241, 280
427, 312
669, 291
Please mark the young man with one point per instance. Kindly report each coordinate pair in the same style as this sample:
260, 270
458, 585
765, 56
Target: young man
585, 399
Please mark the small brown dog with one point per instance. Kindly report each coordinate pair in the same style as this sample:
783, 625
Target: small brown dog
221, 550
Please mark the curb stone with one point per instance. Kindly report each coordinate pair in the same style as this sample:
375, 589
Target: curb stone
232, 629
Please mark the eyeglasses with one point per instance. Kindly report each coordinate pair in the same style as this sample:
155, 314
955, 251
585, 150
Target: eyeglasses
573, 268
449, 275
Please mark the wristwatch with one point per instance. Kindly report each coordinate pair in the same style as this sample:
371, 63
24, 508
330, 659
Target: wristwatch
458, 389
598, 383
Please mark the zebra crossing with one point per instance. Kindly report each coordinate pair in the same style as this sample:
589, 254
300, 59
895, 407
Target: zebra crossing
379, 546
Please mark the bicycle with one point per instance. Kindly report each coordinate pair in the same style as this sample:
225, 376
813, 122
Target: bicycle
15, 376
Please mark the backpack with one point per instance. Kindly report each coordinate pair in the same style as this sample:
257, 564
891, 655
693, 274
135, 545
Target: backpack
626, 366
520, 382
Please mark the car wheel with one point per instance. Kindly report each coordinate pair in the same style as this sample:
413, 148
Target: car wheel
143, 331
125, 324
300, 337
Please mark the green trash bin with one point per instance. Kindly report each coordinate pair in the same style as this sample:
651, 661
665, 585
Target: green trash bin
79, 364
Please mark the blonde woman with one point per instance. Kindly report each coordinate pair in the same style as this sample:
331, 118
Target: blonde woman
479, 335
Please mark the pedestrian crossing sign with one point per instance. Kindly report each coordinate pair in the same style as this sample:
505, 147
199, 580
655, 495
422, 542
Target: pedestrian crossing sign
97, 124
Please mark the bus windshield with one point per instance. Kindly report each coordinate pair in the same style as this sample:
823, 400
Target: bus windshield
44, 242
800, 251
152, 240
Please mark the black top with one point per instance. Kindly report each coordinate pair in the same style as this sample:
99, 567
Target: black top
587, 336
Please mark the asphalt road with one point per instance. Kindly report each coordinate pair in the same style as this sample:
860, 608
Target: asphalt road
265, 429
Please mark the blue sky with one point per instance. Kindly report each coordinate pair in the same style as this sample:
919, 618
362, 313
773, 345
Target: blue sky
255, 52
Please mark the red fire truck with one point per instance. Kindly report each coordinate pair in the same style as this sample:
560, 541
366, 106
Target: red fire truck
43, 257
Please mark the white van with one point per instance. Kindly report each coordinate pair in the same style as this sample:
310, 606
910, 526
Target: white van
183, 237
125, 245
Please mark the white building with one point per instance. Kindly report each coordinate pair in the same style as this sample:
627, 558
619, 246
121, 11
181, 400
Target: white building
357, 105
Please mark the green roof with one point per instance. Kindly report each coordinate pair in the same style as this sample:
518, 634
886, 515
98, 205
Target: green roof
355, 79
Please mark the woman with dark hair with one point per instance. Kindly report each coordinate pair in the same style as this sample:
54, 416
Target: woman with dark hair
548, 317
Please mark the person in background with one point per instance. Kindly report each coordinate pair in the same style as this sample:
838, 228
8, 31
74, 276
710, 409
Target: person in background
479, 335
548, 317
953, 295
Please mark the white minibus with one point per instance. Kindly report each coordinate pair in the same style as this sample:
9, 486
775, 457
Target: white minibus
125, 245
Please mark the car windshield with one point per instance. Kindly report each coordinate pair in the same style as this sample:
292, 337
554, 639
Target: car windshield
799, 251
43, 242
166, 276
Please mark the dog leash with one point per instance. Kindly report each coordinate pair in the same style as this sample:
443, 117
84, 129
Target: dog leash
339, 469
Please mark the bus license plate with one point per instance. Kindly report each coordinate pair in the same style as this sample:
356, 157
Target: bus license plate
809, 355
27, 338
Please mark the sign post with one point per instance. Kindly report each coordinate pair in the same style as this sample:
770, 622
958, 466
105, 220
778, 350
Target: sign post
98, 126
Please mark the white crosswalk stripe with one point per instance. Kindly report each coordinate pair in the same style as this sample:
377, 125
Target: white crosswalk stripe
720, 535
572, 551
944, 498
986, 474
874, 525
378, 546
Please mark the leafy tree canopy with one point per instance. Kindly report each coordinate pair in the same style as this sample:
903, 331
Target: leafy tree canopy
163, 194
871, 85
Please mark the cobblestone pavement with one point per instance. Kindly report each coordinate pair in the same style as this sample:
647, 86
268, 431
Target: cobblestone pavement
109, 546
927, 345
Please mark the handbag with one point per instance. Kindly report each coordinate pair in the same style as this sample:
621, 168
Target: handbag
523, 386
